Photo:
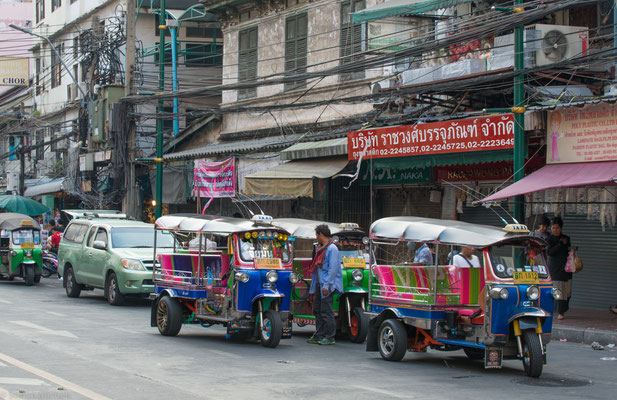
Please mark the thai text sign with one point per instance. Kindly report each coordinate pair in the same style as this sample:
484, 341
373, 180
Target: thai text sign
582, 134
14, 71
474, 172
473, 134
215, 179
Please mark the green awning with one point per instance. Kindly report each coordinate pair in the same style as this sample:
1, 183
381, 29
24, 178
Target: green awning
436, 160
393, 8
322, 148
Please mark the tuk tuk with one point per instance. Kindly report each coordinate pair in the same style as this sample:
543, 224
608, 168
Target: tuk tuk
229, 271
20, 248
501, 310
353, 245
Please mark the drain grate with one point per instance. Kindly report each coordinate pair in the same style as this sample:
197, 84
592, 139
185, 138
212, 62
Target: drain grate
553, 382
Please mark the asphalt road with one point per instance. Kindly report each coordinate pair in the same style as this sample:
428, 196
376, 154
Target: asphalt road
53, 347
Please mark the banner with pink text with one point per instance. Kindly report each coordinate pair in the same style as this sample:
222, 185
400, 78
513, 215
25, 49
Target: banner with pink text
215, 179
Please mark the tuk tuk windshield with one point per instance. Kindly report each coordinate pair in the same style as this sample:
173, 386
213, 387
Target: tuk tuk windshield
507, 258
264, 248
22, 236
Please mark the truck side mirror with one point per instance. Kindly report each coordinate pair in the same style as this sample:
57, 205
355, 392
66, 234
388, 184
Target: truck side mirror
99, 244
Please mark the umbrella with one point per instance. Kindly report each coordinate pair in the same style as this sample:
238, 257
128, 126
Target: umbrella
22, 205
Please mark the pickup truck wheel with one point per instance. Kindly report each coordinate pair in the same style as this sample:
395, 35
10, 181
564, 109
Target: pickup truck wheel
114, 297
73, 289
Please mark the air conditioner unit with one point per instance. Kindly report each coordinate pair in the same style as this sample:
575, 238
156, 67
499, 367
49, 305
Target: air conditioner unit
71, 92
560, 42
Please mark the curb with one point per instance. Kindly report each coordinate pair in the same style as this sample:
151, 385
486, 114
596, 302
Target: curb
584, 335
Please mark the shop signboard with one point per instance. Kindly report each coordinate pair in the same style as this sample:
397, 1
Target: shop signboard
215, 179
498, 171
465, 135
587, 134
14, 71
384, 176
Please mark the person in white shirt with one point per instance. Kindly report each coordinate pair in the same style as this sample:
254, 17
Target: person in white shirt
210, 244
466, 258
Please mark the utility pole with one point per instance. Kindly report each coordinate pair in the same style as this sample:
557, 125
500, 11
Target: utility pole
158, 208
519, 114
129, 82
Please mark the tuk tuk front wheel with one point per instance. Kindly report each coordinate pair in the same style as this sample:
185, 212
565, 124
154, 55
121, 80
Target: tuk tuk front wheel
29, 275
358, 325
532, 354
168, 316
73, 289
392, 340
271, 329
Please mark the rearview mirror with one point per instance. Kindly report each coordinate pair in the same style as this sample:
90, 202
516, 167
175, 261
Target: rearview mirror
99, 244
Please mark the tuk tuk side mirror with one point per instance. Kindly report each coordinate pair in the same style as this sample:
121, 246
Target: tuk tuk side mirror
99, 244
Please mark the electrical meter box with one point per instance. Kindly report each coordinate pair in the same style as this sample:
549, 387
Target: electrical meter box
101, 113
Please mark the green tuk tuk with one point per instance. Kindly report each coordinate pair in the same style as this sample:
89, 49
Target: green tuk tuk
20, 248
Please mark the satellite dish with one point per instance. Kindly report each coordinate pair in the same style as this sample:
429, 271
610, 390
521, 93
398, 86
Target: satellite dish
554, 45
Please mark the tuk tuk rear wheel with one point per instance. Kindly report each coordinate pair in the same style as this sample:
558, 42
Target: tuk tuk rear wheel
358, 325
532, 354
271, 329
168, 316
392, 340
73, 289
29, 275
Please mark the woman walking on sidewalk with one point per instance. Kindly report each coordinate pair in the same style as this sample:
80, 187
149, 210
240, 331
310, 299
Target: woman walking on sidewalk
557, 249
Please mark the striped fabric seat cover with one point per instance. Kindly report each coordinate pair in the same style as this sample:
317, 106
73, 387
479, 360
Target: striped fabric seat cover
186, 268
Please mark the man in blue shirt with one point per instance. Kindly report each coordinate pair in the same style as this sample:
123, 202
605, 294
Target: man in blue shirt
327, 280
423, 255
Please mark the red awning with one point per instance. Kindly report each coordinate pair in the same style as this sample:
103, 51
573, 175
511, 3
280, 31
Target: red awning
561, 175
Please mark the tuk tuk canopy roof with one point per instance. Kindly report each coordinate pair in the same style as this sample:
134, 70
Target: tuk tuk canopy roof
418, 229
11, 221
303, 228
207, 223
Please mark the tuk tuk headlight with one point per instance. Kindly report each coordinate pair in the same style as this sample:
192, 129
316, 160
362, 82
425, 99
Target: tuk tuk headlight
335, 239
357, 275
13, 253
134, 265
533, 293
557, 295
293, 278
499, 293
28, 253
365, 240
242, 277
272, 276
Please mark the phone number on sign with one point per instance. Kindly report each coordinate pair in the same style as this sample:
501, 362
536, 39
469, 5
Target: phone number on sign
439, 147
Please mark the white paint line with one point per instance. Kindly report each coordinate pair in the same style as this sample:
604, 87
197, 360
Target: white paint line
42, 329
226, 354
5, 301
5, 395
23, 381
125, 330
2, 364
384, 392
52, 378
57, 314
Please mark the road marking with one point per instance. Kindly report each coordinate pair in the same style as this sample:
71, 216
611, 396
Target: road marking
384, 392
2, 364
57, 314
42, 329
53, 378
23, 381
125, 330
226, 354
5, 301
5, 395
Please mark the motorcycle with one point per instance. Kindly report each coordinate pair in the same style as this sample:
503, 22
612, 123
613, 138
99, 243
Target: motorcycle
50, 264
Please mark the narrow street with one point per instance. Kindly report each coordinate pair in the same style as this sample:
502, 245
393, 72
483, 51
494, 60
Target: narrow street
53, 347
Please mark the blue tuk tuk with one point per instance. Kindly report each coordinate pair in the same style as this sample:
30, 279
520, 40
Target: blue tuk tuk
229, 271
500, 310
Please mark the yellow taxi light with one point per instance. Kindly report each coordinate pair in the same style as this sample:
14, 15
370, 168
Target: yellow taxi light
516, 228
247, 235
255, 234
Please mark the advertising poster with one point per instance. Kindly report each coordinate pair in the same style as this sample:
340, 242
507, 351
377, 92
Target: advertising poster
215, 179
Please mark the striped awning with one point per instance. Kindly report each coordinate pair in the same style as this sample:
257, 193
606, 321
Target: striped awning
393, 8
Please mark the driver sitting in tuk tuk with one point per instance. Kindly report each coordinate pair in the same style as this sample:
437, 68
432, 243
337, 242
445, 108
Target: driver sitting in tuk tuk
466, 259
209, 242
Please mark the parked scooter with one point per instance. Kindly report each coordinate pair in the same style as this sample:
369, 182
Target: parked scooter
50, 264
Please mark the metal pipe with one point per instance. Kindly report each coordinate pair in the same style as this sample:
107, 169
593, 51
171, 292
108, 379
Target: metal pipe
174, 69
519, 118
158, 208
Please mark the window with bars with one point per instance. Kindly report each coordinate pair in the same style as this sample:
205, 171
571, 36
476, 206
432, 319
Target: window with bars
203, 54
40, 10
296, 43
247, 61
351, 38
55, 4
56, 66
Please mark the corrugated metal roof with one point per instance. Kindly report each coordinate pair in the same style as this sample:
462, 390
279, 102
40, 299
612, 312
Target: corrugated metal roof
323, 148
244, 146
595, 100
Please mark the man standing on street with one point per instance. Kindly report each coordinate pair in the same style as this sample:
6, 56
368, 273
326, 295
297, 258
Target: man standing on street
327, 280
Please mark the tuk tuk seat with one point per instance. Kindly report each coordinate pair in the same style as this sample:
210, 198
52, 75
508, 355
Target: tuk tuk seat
186, 268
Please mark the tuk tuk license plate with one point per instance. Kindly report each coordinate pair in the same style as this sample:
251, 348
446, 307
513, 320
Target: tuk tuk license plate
493, 358
27, 245
268, 263
353, 262
526, 278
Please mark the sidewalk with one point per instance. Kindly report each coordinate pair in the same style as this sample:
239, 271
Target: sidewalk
587, 325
